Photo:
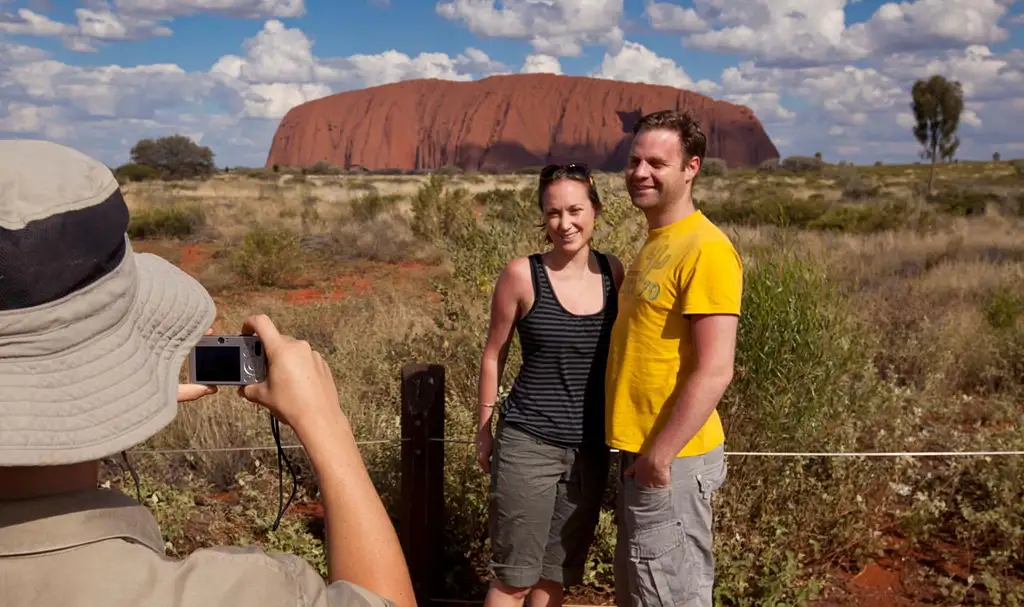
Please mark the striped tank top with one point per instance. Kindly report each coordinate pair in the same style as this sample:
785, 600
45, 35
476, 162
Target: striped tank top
558, 394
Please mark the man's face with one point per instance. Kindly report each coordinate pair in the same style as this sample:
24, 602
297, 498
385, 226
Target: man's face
657, 173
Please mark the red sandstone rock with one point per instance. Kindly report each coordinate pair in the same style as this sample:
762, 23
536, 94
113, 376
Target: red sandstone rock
501, 123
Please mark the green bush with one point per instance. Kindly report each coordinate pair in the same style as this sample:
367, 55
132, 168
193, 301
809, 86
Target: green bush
870, 218
129, 172
714, 167
792, 212
803, 164
963, 202
322, 167
178, 220
799, 357
855, 186
369, 206
266, 256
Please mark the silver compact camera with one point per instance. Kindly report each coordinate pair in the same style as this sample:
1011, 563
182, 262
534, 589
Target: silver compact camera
228, 360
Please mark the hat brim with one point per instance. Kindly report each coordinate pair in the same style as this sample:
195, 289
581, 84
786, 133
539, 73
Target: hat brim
113, 390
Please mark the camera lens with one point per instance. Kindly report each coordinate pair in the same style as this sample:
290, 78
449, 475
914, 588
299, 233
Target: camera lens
220, 340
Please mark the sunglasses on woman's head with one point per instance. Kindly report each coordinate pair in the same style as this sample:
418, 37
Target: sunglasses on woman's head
573, 169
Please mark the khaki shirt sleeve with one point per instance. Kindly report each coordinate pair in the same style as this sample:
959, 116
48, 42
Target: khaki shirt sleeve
337, 594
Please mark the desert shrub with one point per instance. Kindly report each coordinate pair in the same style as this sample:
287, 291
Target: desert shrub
870, 218
714, 167
129, 172
798, 344
963, 202
450, 169
266, 256
855, 186
766, 210
177, 220
322, 167
1018, 166
369, 206
1003, 311
510, 206
439, 213
804, 382
803, 164
769, 166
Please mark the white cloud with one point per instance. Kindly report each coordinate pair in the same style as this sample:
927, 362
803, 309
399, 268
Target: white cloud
553, 28
794, 32
97, 24
983, 74
541, 64
671, 18
636, 63
767, 106
249, 9
801, 33
932, 25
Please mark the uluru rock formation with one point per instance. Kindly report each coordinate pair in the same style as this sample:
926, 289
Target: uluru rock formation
501, 123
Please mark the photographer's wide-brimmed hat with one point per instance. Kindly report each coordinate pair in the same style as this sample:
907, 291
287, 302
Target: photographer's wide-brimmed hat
92, 334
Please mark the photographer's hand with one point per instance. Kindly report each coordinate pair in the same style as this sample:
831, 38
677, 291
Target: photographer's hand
362, 546
191, 392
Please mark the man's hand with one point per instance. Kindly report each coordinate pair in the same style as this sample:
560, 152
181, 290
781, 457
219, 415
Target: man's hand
649, 472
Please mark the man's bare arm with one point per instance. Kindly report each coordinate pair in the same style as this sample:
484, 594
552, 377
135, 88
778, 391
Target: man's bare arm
714, 341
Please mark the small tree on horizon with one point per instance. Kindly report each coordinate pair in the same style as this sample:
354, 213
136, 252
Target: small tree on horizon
937, 104
175, 157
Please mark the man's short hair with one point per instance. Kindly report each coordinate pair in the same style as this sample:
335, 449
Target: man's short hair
694, 142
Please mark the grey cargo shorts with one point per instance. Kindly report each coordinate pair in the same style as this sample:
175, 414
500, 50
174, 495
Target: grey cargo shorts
664, 550
544, 506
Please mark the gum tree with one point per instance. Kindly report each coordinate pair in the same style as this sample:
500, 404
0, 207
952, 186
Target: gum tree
937, 105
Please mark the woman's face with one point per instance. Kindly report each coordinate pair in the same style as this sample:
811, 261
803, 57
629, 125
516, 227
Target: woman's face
569, 215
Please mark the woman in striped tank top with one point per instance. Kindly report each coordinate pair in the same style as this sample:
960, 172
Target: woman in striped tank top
548, 460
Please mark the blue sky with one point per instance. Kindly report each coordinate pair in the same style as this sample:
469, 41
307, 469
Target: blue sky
822, 75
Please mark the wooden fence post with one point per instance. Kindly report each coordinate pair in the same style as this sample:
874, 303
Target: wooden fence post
422, 521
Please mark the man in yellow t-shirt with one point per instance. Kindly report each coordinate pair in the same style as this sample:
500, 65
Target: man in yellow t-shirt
670, 360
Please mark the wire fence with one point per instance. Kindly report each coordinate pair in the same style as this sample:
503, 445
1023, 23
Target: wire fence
467, 441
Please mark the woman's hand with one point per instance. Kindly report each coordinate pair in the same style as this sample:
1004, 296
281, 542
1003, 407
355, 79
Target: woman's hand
484, 448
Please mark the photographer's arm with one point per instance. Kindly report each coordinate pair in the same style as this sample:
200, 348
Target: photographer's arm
361, 543
362, 546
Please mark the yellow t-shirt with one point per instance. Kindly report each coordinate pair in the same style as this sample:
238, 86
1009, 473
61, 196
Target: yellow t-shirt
688, 267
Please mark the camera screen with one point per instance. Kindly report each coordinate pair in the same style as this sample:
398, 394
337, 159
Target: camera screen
218, 364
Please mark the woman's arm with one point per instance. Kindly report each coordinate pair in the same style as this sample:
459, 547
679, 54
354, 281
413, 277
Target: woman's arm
505, 307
